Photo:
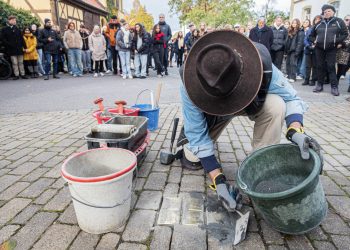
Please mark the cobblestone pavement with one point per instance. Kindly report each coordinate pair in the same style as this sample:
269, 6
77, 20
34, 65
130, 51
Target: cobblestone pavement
169, 205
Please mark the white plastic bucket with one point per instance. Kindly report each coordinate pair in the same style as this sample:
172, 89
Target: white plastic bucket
100, 182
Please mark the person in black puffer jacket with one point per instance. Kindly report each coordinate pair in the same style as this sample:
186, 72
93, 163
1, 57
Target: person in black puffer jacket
51, 46
327, 37
85, 52
280, 34
294, 47
262, 34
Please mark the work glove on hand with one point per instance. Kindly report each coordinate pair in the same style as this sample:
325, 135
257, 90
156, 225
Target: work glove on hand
227, 194
304, 142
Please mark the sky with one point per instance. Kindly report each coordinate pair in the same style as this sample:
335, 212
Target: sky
161, 6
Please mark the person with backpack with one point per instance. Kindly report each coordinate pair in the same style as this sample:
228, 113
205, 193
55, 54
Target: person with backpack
327, 36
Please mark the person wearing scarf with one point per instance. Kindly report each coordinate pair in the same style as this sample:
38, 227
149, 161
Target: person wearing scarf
123, 45
158, 49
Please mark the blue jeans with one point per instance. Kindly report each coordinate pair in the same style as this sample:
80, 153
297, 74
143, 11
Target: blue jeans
74, 58
140, 61
86, 58
125, 60
40, 61
109, 59
48, 57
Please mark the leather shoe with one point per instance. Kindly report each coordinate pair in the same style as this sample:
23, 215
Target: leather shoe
319, 88
312, 83
56, 76
190, 165
335, 91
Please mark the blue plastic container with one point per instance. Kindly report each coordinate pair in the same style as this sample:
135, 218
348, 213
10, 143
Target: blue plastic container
152, 115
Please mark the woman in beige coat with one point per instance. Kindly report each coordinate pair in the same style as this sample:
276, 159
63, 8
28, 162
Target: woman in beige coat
97, 45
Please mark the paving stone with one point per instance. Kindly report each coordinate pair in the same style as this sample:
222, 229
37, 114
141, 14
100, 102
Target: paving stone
192, 209
33, 229
169, 213
11, 208
35, 189
138, 184
188, 237
139, 226
175, 175
19, 154
158, 167
317, 234
54, 161
4, 163
227, 157
339, 178
144, 169
20, 162
330, 188
58, 236
133, 246
34, 175
252, 241
60, 201
8, 180
276, 247
108, 241
26, 214
149, 200
333, 224
341, 242
193, 172
54, 172
171, 189
13, 190
344, 171
44, 156
7, 231
341, 204
192, 183
298, 242
271, 236
85, 241
68, 216
65, 142
156, 181
323, 245
151, 156
161, 238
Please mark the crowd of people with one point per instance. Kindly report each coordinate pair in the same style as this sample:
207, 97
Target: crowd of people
316, 51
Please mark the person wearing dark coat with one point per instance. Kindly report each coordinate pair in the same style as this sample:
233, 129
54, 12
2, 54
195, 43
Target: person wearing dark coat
166, 30
15, 45
343, 53
179, 48
327, 36
310, 57
158, 41
294, 47
194, 37
280, 34
51, 47
140, 45
262, 34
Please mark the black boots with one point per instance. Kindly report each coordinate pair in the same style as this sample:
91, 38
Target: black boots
312, 83
306, 82
319, 88
334, 90
56, 76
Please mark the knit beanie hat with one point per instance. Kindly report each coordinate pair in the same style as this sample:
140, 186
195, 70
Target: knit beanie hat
327, 6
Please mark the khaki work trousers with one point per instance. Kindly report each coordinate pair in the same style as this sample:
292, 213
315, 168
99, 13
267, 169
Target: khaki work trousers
17, 65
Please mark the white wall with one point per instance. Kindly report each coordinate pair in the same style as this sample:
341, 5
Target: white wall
316, 5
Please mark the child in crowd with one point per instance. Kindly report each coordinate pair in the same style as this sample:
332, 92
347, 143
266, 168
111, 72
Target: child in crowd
30, 54
97, 46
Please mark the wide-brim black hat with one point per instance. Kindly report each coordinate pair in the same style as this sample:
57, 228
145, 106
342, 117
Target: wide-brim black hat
223, 72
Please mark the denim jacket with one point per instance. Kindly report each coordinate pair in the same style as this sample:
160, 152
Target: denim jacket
196, 128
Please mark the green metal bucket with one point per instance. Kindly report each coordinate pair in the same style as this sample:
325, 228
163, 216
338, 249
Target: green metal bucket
284, 188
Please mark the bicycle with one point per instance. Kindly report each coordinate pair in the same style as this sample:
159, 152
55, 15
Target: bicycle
5, 68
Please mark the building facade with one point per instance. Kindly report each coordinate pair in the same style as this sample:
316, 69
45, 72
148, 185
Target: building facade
308, 9
89, 12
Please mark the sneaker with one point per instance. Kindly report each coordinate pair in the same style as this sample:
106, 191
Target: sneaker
121, 75
101, 74
130, 76
335, 91
142, 77
108, 71
40, 74
95, 75
124, 77
342, 77
159, 75
75, 75
291, 80
299, 78
80, 75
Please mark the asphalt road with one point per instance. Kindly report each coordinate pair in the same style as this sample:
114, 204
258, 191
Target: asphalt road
68, 93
